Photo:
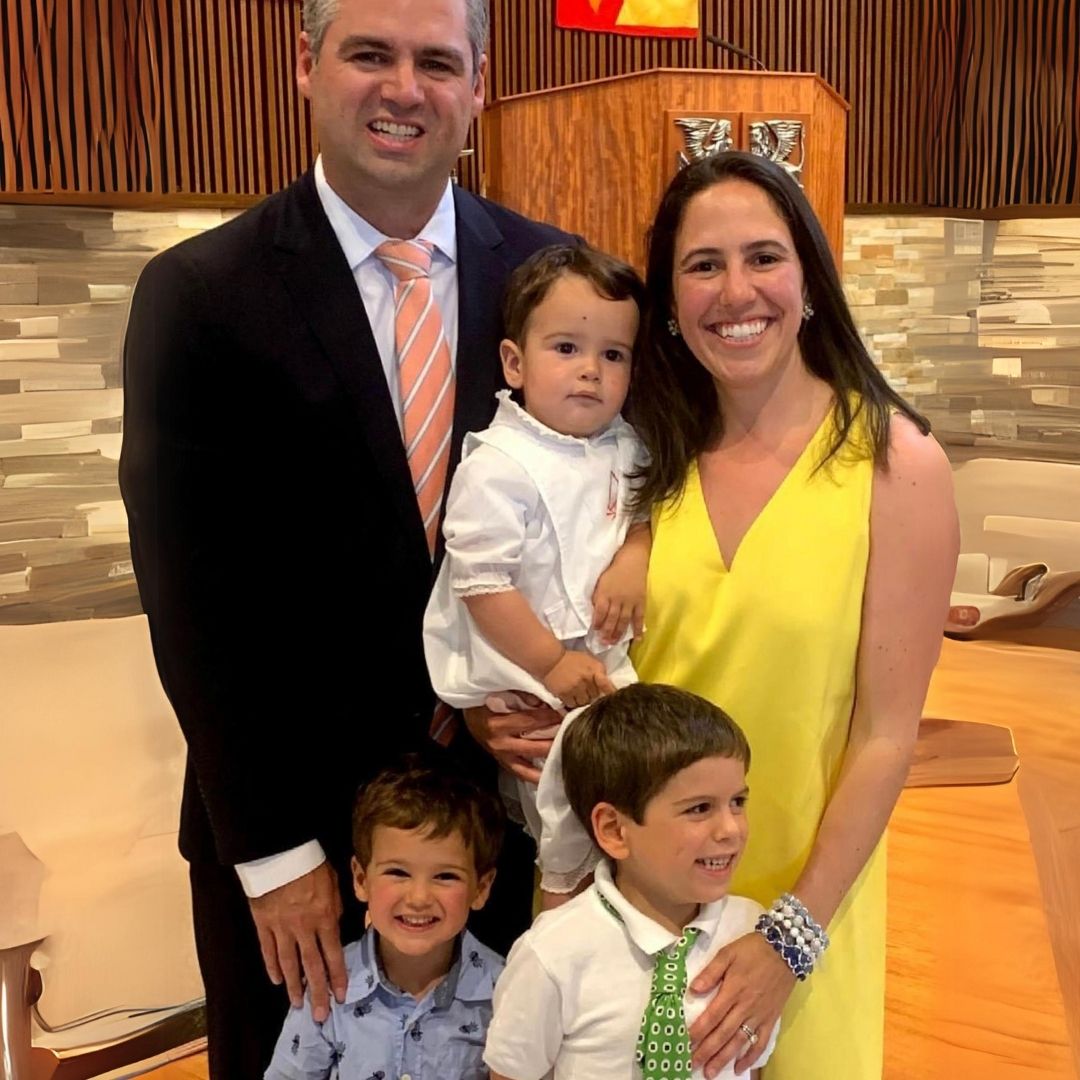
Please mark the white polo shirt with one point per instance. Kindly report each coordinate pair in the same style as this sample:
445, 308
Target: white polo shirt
569, 1004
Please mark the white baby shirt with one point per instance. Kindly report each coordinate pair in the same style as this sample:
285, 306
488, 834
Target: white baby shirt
532, 509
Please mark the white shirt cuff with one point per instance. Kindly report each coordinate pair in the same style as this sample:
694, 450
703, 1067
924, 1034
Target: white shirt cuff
261, 876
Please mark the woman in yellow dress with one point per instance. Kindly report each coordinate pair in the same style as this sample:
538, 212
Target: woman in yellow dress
804, 544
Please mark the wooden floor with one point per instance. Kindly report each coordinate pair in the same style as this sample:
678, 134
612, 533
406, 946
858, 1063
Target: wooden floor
984, 884
984, 887
192, 1068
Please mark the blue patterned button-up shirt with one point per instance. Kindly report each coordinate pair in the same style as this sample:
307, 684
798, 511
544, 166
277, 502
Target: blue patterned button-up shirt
383, 1033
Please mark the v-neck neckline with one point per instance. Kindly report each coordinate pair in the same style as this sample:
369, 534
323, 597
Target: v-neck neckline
796, 465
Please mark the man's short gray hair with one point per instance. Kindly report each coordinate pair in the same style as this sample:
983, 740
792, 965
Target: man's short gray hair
319, 14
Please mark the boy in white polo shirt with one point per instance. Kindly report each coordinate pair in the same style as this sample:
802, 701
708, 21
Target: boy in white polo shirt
596, 989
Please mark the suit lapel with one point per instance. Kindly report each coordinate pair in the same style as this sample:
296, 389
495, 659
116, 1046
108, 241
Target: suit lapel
482, 274
321, 284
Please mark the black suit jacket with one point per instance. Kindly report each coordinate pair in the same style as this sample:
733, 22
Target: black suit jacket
277, 543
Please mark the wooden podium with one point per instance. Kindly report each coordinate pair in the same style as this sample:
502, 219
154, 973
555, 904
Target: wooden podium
594, 158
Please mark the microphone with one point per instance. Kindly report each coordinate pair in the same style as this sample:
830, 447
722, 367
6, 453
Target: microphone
720, 43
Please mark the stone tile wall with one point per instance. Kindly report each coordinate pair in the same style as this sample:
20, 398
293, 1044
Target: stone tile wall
978, 323
66, 277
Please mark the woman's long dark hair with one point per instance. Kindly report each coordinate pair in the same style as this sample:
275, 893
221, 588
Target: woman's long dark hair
674, 403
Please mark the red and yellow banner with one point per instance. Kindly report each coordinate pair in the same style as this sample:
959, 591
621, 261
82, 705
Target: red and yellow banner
655, 18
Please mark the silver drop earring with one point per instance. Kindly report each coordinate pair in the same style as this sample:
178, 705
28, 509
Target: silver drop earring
673, 327
807, 311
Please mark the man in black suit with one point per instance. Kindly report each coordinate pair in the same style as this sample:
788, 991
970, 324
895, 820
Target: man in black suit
278, 546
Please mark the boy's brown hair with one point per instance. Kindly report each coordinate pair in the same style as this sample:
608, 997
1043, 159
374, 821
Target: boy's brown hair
420, 794
530, 283
626, 746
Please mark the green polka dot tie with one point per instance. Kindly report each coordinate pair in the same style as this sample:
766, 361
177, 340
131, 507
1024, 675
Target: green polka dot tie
663, 1046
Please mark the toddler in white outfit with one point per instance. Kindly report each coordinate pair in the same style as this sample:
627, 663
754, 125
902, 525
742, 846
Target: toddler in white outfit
525, 602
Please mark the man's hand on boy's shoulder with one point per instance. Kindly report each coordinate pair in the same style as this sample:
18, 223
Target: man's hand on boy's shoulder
299, 938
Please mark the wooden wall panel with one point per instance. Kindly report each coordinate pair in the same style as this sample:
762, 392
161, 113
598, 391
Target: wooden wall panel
1006, 111
954, 104
150, 97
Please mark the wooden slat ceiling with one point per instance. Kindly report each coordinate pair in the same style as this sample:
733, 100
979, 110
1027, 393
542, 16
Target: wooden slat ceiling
151, 96
953, 104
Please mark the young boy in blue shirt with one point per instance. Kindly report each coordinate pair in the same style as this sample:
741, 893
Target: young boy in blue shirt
418, 1002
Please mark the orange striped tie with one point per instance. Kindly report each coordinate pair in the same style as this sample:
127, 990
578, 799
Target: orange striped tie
427, 377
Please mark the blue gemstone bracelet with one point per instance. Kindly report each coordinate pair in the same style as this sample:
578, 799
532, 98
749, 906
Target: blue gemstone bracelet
792, 931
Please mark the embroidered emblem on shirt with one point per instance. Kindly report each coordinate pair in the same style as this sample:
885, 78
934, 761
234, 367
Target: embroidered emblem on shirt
469, 1029
362, 1009
377, 1075
415, 1033
370, 980
296, 1044
613, 496
474, 959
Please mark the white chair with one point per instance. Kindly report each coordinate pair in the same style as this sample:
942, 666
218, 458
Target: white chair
1020, 544
91, 767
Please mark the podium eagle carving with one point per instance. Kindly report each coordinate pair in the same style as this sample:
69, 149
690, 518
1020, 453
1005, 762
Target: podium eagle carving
703, 136
777, 140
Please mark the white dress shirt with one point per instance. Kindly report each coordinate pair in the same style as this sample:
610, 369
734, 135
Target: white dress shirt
359, 239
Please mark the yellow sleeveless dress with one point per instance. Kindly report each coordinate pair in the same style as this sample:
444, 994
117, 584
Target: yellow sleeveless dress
772, 640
